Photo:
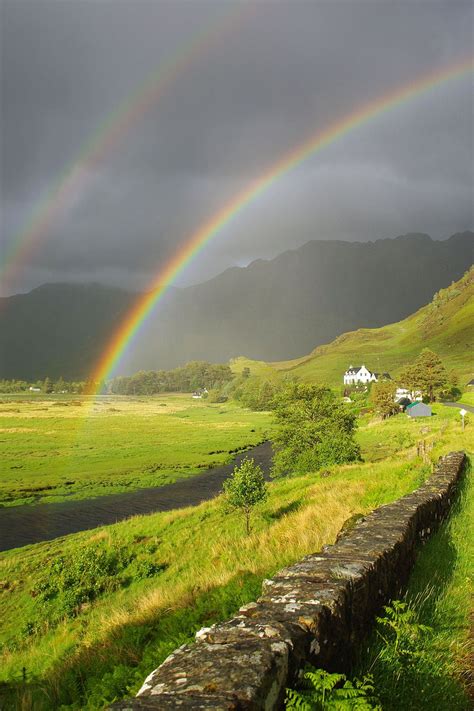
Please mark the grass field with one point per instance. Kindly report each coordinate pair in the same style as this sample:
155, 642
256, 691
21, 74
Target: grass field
57, 447
124, 596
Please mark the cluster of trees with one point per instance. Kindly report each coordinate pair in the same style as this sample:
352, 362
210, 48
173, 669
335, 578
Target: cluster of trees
193, 376
427, 375
253, 392
46, 386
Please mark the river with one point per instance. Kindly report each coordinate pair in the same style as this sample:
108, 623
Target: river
22, 525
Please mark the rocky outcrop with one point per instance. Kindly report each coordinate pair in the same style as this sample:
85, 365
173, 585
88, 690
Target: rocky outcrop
315, 611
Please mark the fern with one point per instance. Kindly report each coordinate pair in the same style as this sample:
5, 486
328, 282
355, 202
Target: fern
402, 634
320, 691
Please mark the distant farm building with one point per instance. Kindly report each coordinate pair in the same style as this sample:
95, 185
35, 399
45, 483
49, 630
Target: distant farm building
35, 390
198, 394
405, 394
471, 383
360, 375
418, 409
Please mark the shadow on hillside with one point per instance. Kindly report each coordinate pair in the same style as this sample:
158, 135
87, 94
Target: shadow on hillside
284, 510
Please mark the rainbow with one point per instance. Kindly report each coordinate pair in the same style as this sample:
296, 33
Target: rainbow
316, 142
74, 179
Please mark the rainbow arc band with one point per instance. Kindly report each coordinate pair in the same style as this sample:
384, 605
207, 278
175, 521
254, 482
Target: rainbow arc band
203, 234
74, 180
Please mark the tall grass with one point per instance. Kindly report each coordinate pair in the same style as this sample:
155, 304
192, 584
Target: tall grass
210, 567
431, 670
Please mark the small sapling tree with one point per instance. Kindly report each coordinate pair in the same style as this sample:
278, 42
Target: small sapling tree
245, 488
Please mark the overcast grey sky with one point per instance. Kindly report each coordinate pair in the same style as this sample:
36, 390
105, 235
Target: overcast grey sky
284, 71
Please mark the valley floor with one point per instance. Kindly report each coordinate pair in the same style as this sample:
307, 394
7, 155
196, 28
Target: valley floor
121, 598
64, 447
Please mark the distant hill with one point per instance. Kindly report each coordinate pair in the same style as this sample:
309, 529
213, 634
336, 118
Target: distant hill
58, 329
446, 325
270, 310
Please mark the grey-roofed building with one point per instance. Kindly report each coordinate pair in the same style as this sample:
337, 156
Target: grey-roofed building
418, 409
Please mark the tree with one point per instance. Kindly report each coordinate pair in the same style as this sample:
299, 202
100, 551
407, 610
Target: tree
383, 398
427, 374
314, 430
60, 385
47, 386
245, 488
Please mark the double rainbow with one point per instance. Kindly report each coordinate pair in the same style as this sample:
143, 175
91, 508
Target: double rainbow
73, 181
198, 240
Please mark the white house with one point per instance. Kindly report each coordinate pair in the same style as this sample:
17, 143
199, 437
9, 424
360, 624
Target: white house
359, 374
405, 394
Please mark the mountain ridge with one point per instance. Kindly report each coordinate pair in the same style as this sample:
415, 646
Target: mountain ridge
273, 310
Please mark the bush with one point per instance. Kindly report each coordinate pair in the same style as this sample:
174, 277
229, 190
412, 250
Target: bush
314, 430
94, 570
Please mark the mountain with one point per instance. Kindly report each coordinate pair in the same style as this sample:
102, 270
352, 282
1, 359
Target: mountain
281, 308
58, 329
445, 325
270, 310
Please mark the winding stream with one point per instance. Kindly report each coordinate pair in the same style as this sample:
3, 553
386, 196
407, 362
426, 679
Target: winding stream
22, 525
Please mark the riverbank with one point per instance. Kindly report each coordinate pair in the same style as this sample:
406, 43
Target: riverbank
25, 525
68, 447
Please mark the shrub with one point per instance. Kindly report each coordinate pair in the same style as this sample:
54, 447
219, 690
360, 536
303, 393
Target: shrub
321, 691
314, 430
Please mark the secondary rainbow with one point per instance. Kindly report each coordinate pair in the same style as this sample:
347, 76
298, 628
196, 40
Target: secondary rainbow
77, 175
316, 142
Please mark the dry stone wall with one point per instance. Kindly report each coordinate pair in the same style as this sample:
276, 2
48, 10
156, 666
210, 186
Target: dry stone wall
315, 611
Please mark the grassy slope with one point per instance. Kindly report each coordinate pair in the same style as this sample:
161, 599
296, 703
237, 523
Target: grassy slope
446, 325
211, 568
123, 443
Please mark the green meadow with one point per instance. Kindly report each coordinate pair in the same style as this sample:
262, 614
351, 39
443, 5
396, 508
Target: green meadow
86, 617
65, 446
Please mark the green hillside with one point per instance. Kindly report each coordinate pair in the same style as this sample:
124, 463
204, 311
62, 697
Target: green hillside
446, 325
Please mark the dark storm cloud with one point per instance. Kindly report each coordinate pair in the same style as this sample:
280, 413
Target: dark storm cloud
286, 70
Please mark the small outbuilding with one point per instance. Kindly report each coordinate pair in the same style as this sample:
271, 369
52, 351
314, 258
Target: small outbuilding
418, 409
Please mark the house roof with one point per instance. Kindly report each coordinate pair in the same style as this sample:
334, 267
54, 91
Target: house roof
471, 382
